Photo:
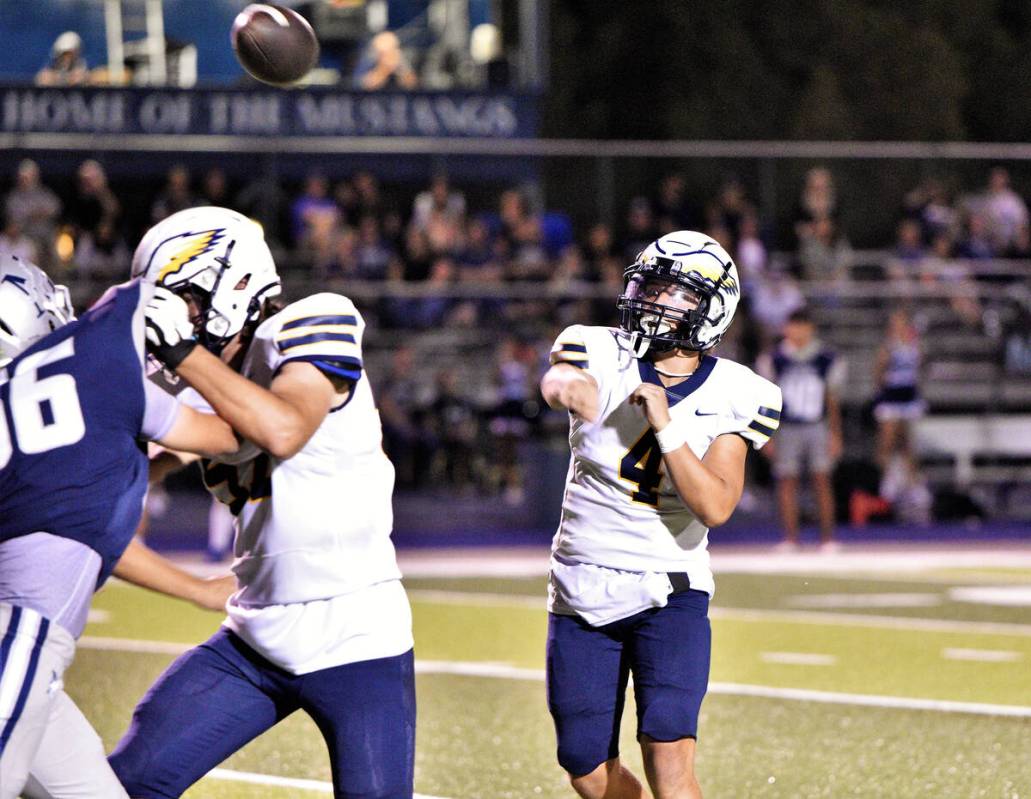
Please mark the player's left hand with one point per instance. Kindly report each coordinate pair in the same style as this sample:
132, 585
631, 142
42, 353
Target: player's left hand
169, 330
215, 592
654, 403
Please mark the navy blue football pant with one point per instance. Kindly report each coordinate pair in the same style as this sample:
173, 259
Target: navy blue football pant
666, 649
215, 698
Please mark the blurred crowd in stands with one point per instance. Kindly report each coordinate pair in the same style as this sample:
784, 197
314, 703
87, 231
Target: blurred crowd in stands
438, 52
505, 278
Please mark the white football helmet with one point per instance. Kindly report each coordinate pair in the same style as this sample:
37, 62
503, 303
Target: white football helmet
31, 306
698, 266
217, 256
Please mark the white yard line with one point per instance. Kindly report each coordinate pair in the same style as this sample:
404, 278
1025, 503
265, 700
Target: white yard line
283, 782
870, 700
877, 561
868, 620
268, 779
729, 614
484, 599
860, 560
1009, 595
764, 691
478, 669
478, 598
798, 658
506, 672
861, 600
982, 655
133, 645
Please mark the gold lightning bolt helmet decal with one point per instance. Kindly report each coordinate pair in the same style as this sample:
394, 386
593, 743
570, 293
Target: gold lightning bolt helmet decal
197, 244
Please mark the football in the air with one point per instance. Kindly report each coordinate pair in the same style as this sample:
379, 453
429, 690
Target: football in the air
274, 44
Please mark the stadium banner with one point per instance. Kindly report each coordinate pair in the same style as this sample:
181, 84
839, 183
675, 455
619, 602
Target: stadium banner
266, 112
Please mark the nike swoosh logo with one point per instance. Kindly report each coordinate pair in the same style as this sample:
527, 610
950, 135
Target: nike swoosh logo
699, 413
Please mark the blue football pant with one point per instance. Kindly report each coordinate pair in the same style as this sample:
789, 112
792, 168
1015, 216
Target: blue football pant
215, 698
666, 649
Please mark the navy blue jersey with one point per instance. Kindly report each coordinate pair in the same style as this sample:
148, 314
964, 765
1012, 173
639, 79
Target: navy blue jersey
73, 405
803, 379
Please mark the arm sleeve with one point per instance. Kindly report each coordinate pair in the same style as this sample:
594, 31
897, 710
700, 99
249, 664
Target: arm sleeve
572, 347
159, 413
755, 411
329, 339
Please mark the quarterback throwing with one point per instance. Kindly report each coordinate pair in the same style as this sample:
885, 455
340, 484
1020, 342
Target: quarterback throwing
659, 432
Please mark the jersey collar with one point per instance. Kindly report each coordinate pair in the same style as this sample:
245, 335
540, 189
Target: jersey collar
680, 390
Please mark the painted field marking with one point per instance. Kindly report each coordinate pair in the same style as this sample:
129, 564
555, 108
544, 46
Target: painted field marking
133, 645
798, 658
874, 560
268, 779
870, 700
861, 561
478, 669
982, 655
485, 599
873, 621
1009, 595
770, 692
504, 671
283, 782
433, 596
98, 616
899, 600
730, 614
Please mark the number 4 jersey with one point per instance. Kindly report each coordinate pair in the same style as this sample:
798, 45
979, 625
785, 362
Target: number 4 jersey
620, 509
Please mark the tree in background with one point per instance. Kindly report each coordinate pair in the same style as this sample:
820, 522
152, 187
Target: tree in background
844, 69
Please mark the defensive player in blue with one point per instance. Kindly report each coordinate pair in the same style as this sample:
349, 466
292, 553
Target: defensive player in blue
321, 622
658, 429
74, 408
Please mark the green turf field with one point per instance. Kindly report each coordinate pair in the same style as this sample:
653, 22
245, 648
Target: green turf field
832, 683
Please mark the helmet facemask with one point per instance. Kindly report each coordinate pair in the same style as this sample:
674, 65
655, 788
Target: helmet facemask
206, 291
660, 327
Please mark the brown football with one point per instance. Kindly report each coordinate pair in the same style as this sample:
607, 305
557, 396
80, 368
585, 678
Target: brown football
274, 44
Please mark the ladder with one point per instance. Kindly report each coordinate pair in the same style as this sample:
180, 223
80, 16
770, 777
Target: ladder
134, 17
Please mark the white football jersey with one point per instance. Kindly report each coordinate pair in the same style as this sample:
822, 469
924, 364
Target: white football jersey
319, 582
620, 510
318, 524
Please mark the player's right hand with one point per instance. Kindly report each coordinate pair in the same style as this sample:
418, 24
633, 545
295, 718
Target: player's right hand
654, 404
169, 331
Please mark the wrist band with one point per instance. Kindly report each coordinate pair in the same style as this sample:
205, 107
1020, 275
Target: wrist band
175, 354
671, 437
